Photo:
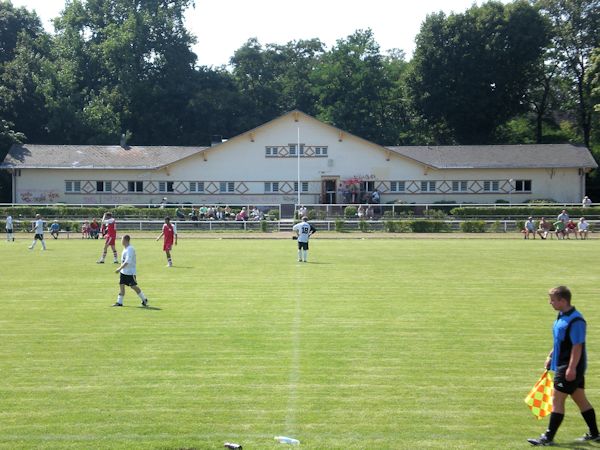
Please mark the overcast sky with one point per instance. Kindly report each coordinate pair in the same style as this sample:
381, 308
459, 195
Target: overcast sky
222, 26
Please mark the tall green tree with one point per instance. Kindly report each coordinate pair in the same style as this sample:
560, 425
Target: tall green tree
575, 35
471, 71
356, 89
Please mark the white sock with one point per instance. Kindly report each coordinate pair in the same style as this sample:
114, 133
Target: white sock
33, 243
299, 255
305, 255
43, 244
142, 296
120, 299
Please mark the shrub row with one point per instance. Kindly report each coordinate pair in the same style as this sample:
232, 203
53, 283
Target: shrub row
416, 226
523, 211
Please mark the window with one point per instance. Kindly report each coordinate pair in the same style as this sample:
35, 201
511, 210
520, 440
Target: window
491, 186
522, 185
293, 149
226, 186
72, 186
321, 151
304, 186
165, 186
397, 186
135, 186
271, 151
103, 186
271, 186
367, 186
427, 186
196, 186
459, 186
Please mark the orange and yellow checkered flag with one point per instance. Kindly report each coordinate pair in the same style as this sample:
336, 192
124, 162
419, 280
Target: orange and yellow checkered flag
539, 398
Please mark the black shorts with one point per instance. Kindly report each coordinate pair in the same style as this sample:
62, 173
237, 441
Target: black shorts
39, 237
127, 280
302, 245
9, 230
568, 387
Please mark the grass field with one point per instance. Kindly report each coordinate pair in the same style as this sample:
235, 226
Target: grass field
374, 344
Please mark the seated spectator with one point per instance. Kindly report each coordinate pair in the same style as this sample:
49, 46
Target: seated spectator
563, 216
302, 211
560, 229
94, 229
220, 214
210, 213
85, 230
202, 212
194, 214
586, 202
54, 229
529, 228
180, 214
370, 212
571, 228
360, 212
242, 215
255, 214
543, 228
227, 213
582, 227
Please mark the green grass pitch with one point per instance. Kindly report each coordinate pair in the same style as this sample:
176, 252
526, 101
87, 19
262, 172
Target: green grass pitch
374, 344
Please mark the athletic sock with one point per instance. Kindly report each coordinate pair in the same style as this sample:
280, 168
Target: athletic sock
590, 418
115, 256
299, 255
305, 255
555, 421
142, 296
43, 245
120, 299
33, 244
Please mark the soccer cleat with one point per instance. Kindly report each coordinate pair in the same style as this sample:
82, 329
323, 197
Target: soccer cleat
115, 262
542, 441
587, 437
145, 302
118, 304
99, 262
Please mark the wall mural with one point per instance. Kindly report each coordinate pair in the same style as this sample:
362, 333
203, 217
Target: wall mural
39, 196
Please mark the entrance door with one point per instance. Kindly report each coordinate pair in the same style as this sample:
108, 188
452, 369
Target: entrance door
329, 190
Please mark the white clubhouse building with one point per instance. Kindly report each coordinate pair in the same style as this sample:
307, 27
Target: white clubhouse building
261, 166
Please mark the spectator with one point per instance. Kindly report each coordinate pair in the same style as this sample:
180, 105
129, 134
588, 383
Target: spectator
227, 212
582, 227
369, 212
210, 213
529, 228
586, 202
220, 214
302, 211
560, 229
180, 214
85, 230
360, 212
242, 215
375, 198
563, 216
195, 213
94, 229
571, 228
54, 229
255, 214
543, 228
163, 203
202, 212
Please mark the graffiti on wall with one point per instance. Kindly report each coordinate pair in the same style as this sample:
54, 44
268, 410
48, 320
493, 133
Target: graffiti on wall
39, 196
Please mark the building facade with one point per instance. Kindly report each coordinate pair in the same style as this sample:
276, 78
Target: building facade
269, 164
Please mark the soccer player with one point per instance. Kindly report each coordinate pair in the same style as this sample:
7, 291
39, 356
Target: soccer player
169, 231
38, 229
127, 271
54, 229
304, 231
109, 231
9, 229
568, 360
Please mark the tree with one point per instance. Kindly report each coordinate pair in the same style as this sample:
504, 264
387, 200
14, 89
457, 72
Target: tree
470, 71
575, 34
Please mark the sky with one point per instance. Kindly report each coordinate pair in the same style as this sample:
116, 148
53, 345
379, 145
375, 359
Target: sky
223, 26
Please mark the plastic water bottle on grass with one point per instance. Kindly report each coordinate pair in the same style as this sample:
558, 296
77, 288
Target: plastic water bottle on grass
287, 440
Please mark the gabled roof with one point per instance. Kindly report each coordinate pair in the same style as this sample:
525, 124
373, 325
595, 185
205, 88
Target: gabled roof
30, 156
500, 156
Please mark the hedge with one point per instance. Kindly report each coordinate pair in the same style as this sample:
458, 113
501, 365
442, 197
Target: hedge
473, 226
523, 211
428, 226
57, 212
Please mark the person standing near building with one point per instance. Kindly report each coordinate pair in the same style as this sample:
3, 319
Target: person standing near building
38, 229
55, 229
304, 231
586, 202
128, 272
9, 229
568, 360
109, 231
169, 232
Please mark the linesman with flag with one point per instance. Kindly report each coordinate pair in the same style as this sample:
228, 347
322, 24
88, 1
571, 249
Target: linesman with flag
568, 360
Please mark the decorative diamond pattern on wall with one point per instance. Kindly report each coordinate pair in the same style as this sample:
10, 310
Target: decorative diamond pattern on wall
412, 187
283, 151
87, 187
286, 188
382, 186
211, 188
476, 187
309, 151
150, 187
241, 188
180, 187
444, 187
507, 187
119, 187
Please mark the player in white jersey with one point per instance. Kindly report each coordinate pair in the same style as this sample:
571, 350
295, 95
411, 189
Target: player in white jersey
303, 231
38, 229
128, 272
9, 229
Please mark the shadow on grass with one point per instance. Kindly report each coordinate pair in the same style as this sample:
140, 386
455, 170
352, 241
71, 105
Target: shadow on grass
152, 308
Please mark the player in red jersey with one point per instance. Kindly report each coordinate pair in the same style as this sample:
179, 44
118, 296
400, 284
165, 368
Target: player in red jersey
169, 232
109, 231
